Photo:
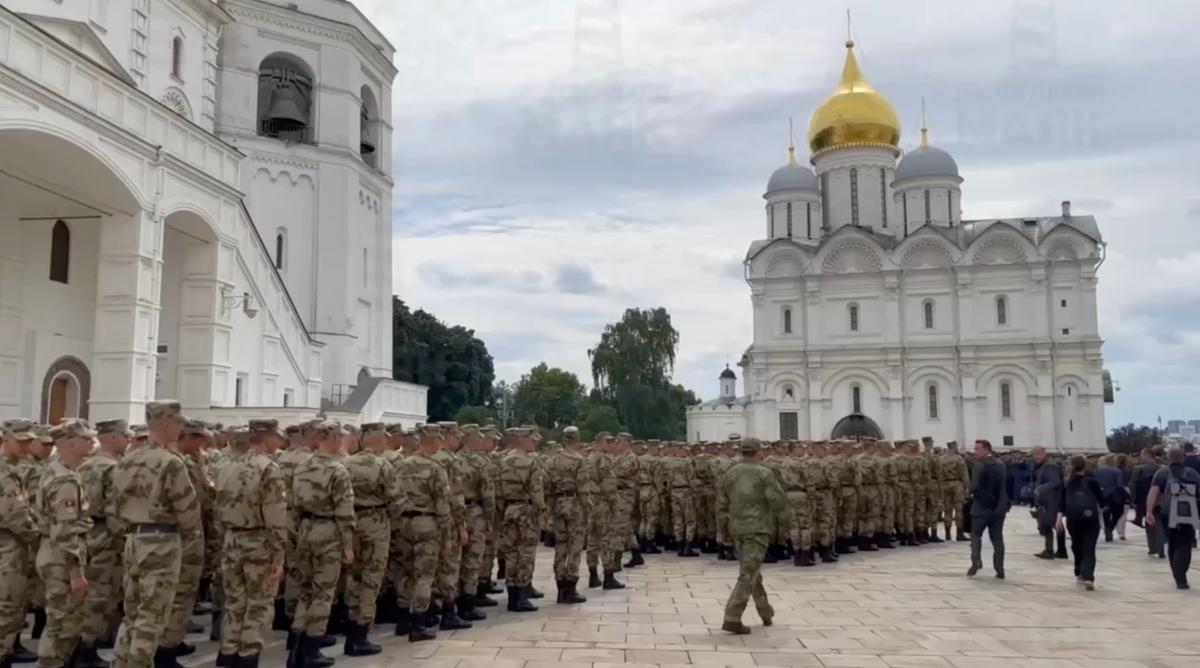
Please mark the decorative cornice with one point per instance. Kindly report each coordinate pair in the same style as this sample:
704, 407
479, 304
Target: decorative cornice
285, 162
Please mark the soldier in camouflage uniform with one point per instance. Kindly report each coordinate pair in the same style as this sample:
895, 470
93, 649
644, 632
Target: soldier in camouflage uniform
825, 481
520, 485
955, 482
750, 505
906, 508
479, 495
64, 523
104, 543
683, 508
599, 500
323, 509
847, 496
30, 466
869, 507
490, 464
798, 494
376, 497
17, 531
933, 490
919, 470
454, 533
647, 497
154, 504
771, 457
566, 474
620, 532
301, 443
416, 536
889, 482
705, 498
248, 501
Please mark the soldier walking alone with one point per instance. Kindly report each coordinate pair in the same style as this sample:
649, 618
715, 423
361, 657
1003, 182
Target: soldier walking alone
750, 504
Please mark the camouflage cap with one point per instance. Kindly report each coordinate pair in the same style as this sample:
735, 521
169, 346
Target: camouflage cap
517, 431
241, 435
750, 445
22, 430
195, 428
264, 426
734, 437
161, 410
603, 436
448, 426
72, 428
571, 433
491, 430
395, 428
139, 430
472, 429
43, 433
373, 427
328, 429
310, 426
292, 430
625, 435
112, 427
696, 447
429, 430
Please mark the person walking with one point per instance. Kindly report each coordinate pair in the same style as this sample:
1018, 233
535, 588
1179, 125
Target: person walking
1047, 481
1080, 516
1173, 502
750, 504
1108, 477
989, 506
1139, 489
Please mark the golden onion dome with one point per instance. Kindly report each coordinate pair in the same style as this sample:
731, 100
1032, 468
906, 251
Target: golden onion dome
854, 113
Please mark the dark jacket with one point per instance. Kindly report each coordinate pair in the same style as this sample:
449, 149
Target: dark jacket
989, 493
1109, 479
1093, 487
1047, 480
1192, 462
1139, 486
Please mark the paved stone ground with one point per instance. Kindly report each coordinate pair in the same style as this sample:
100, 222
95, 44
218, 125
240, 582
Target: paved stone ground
905, 607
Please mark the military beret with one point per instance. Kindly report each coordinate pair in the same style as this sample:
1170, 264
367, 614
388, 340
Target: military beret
264, 426
749, 445
429, 430
328, 428
195, 428
22, 430
571, 433
161, 410
72, 428
112, 427
373, 426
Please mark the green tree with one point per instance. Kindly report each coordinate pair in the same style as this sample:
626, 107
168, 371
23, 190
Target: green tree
631, 368
451, 361
1132, 439
600, 417
480, 415
549, 397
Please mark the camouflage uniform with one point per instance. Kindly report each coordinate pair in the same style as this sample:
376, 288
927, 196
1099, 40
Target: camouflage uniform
683, 509
566, 475
919, 472
17, 530
933, 492
29, 471
889, 494
869, 501
249, 504
416, 538
905, 508
750, 504
376, 497
450, 560
797, 490
625, 470
323, 509
825, 481
64, 521
955, 481
191, 566
104, 543
154, 504
647, 495
600, 505
704, 498
288, 460
521, 486
479, 494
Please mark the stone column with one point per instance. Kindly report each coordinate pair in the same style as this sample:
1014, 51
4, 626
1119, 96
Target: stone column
127, 303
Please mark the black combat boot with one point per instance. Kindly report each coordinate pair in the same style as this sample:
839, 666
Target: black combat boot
948, 534
357, 643
39, 623
531, 592
850, 544
772, 555
810, 558
960, 535
248, 661
865, 545
164, 657
593, 578
827, 554
466, 609
214, 632
798, 558
933, 535
339, 618
385, 606
884, 542
635, 559
418, 626
451, 621
281, 622
689, 549
922, 537
19, 654
481, 597
296, 657
86, 656
567, 593
293, 639
228, 660
610, 582
404, 621
649, 547
501, 571
517, 602
617, 561
311, 647
710, 546
184, 649
551, 539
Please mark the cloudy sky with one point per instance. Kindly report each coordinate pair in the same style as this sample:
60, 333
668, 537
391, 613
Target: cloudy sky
553, 170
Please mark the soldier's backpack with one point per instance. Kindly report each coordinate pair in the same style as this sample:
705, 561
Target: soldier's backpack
1081, 503
1180, 503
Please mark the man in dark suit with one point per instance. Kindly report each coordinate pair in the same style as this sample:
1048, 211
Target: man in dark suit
1047, 491
1139, 489
989, 506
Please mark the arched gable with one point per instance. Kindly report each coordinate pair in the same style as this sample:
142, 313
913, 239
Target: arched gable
1000, 244
919, 376
1020, 373
777, 381
925, 249
778, 259
1066, 243
861, 374
850, 251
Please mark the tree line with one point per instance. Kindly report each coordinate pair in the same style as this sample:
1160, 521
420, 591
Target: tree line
632, 388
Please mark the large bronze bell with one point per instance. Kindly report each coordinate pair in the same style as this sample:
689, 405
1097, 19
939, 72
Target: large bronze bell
286, 110
366, 145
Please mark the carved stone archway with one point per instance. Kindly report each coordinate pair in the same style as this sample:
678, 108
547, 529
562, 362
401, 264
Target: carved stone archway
856, 426
78, 372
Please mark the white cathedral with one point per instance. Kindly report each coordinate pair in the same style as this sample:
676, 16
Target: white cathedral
195, 203
879, 312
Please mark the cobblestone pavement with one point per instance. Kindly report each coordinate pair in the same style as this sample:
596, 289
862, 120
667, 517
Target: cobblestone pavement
905, 607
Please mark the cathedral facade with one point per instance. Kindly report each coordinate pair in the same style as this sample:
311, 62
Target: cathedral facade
195, 203
879, 312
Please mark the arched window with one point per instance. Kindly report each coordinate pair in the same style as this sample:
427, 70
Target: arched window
883, 193
933, 401
280, 248
177, 57
285, 99
789, 394
771, 221
789, 220
853, 314
1069, 387
364, 267
60, 252
1001, 310
853, 196
808, 219
1005, 400
855, 399
368, 127
950, 207
928, 312
787, 321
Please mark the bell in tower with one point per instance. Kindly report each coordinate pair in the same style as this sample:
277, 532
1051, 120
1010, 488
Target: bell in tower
366, 142
285, 112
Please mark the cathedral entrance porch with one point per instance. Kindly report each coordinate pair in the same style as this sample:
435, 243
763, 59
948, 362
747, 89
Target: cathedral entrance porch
858, 427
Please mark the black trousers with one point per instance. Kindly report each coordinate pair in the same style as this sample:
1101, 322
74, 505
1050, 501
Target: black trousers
1113, 510
1179, 550
1156, 537
993, 524
1084, 536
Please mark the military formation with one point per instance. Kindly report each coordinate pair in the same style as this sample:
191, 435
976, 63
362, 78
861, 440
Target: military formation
114, 536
